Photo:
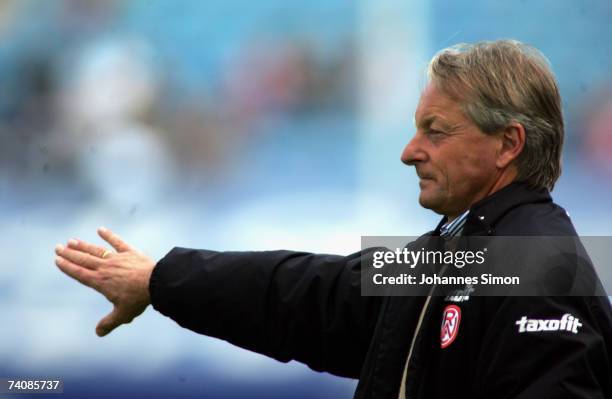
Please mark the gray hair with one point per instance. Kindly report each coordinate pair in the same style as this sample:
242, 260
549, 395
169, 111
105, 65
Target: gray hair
502, 82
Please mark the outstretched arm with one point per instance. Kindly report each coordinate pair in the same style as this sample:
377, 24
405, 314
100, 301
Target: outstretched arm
284, 304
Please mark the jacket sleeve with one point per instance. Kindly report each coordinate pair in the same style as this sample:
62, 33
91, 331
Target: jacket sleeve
546, 357
283, 304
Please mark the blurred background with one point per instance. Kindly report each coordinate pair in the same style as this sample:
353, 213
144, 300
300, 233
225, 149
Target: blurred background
237, 125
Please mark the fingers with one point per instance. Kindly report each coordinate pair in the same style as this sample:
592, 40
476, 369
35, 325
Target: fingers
81, 274
78, 258
84, 246
113, 320
114, 240
108, 323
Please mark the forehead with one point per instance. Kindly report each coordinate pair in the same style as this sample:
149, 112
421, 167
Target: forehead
435, 105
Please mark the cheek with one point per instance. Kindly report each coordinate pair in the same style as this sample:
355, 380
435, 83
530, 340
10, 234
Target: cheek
472, 169
481, 154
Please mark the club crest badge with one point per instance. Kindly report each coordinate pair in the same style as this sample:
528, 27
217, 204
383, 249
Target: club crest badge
450, 325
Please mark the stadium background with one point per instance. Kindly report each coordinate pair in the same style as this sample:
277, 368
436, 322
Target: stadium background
236, 125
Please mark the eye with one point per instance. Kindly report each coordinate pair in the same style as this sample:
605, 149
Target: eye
435, 133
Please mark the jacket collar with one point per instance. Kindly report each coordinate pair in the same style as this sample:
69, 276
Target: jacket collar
485, 213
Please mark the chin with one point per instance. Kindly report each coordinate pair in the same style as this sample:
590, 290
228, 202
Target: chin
433, 204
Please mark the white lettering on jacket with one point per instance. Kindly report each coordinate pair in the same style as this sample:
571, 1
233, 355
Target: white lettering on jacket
566, 323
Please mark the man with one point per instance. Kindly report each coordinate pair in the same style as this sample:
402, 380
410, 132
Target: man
489, 133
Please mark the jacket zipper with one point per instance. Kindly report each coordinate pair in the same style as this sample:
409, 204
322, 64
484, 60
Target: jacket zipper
402, 393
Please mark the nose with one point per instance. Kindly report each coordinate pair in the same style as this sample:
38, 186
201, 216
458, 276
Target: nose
413, 152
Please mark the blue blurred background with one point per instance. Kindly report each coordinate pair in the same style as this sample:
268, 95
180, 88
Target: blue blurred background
237, 125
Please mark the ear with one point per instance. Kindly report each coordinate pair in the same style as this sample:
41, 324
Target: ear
513, 142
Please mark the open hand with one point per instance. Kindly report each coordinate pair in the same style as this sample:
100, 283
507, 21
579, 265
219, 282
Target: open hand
122, 276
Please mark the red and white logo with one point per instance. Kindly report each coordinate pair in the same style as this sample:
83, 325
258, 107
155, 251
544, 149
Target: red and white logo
450, 325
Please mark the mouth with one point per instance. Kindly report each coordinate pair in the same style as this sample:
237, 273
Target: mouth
424, 179
424, 176
423, 182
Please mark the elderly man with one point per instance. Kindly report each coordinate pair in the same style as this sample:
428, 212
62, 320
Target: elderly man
489, 133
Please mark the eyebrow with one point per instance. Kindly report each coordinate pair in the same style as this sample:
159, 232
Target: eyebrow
429, 120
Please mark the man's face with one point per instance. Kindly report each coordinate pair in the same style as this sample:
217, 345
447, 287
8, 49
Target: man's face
454, 159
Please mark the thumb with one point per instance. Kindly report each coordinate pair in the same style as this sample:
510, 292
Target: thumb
108, 323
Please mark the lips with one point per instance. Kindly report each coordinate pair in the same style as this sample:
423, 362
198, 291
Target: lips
423, 176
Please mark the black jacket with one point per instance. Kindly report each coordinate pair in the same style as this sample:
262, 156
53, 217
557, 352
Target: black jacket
306, 307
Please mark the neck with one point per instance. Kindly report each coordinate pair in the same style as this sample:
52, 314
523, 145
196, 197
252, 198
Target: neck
505, 178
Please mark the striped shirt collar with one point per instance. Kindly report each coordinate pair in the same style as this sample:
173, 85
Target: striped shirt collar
453, 228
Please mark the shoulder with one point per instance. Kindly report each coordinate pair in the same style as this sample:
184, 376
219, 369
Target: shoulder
536, 219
